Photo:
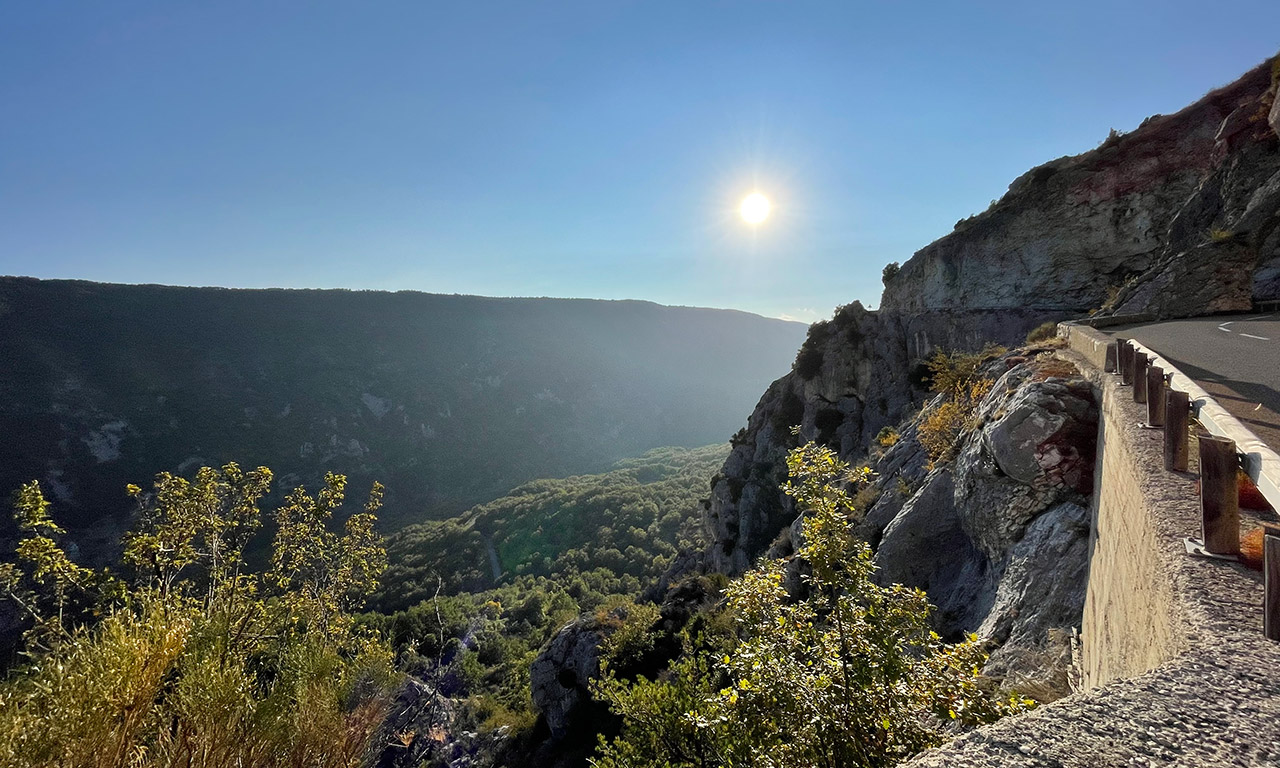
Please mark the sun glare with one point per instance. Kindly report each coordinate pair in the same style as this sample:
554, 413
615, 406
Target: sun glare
755, 208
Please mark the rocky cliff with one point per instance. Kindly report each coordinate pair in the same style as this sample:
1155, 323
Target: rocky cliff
997, 535
1178, 217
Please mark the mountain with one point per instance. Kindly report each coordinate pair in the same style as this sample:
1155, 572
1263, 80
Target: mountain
447, 400
1179, 217
981, 457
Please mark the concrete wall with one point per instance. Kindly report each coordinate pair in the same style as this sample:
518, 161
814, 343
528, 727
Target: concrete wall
1132, 619
1090, 344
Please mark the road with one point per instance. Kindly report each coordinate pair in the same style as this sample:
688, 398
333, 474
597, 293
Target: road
1236, 358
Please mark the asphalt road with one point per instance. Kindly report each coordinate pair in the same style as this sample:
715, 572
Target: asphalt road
1236, 358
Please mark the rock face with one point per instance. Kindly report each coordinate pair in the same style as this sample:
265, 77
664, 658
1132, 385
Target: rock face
1222, 250
999, 537
1179, 217
560, 674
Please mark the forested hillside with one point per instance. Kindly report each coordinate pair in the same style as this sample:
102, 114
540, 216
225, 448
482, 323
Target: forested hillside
448, 400
613, 533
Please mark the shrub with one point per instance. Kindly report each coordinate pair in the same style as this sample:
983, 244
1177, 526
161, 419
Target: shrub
629, 639
1043, 332
942, 427
1113, 138
196, 660
808, 362
952, 373
890, 271
809, 358
849, 675
887, 437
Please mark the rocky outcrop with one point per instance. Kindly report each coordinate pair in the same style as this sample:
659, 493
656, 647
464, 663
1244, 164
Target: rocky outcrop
1222, 250
1180, 216
1071, 230
417, 727
421, 731
998, 538
856, 374
560, 675
926, 546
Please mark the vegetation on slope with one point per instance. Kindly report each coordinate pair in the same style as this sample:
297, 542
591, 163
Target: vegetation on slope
192, 659
628, 522
590, 543
848, 673
104, 384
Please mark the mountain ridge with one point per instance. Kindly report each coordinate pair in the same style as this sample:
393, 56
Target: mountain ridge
107, 384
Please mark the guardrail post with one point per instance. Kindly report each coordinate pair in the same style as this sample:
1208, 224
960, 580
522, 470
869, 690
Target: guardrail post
1177, 420
1139, 377
1271, 583
1126, 362
1155, 396
1110, 363
1219, 497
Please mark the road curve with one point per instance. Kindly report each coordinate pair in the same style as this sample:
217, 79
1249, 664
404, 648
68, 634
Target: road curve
1236, 358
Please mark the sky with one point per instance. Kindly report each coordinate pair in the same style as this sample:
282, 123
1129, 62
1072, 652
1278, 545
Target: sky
575, 149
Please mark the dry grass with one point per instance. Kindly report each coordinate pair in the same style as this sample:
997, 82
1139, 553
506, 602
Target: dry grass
1054, 368
1043, 332
941, 428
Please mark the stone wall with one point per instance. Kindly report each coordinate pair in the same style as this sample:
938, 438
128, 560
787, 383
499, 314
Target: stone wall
1132, 617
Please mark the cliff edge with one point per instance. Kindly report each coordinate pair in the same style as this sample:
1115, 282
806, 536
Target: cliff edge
1179, 217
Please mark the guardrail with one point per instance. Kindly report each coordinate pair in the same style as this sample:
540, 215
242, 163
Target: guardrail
1172, 398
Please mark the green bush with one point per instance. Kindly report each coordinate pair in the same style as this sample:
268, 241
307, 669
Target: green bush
196, 660
890, 271
850, 675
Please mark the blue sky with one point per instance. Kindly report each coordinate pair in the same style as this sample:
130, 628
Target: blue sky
593, 149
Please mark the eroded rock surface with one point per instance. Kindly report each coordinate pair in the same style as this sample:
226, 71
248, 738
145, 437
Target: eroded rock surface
998, 538
559, 676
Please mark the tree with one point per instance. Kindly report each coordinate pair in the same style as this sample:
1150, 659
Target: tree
50, 581
889, 272
848, 675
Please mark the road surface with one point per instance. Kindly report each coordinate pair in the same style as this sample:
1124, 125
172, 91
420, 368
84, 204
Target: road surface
1236, 358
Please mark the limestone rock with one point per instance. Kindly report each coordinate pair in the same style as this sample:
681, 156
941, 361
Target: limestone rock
1040, 598
998, 538
857, 373
559, 676
418, 727
1273, 119
1036, 447
1072, 229
926, 547
1214, 277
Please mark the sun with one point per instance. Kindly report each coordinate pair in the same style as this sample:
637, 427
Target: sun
755, 208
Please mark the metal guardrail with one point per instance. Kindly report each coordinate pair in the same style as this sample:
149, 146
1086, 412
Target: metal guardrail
1171, 396
1260, 462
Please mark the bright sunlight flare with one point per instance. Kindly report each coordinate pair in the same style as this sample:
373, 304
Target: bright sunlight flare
755, 208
